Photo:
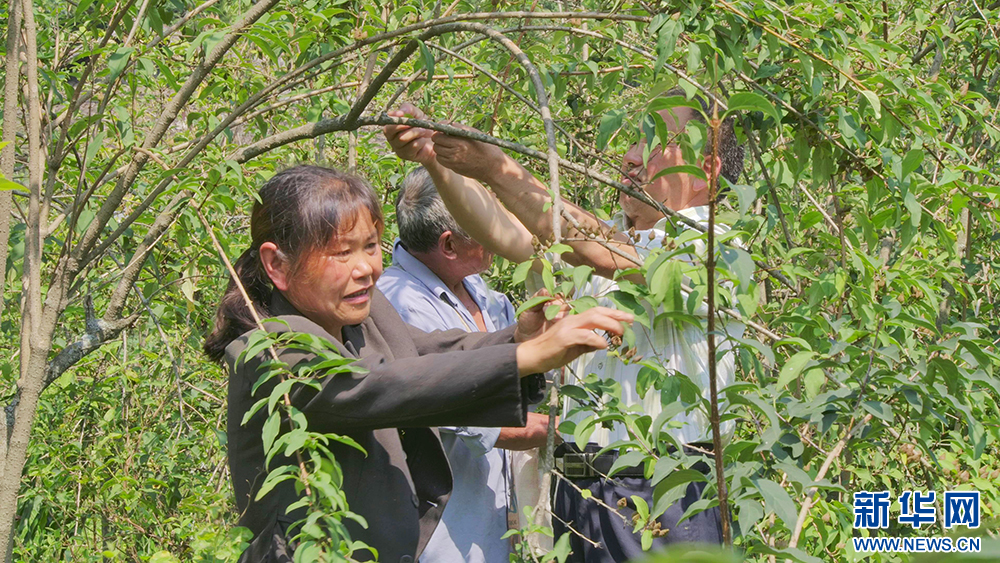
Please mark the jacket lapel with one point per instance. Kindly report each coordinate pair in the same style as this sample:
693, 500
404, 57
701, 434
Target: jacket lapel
297, 322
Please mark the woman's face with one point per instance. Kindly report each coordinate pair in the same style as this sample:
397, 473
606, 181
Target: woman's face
334, 285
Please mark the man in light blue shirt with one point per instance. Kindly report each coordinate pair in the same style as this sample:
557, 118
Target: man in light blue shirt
434, 283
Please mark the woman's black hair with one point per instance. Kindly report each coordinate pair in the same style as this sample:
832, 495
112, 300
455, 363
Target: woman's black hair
300, 210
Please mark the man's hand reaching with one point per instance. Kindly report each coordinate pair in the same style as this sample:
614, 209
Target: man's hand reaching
473, 159
410, 143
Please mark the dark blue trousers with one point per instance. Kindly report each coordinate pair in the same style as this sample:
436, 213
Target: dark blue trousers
617, 542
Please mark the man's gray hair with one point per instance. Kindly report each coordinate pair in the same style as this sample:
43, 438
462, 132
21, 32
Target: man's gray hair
421, 215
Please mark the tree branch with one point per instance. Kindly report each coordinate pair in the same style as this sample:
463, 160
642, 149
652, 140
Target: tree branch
131, 271
720, 476
98, 333
166, 118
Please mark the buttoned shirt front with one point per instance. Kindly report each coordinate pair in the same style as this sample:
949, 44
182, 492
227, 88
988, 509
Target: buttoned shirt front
475, 518
679, 347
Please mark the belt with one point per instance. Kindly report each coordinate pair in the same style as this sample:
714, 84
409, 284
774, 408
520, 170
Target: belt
581, 465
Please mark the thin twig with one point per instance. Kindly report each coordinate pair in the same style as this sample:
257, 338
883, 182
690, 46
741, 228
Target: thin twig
303, 474
720, 476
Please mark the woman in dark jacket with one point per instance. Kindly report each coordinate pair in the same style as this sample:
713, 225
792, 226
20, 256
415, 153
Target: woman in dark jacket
312, 263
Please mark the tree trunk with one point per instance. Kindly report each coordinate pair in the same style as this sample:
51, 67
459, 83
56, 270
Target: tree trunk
30, 389
13, 76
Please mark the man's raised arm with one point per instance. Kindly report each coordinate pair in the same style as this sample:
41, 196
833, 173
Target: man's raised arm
474, 208
526, 197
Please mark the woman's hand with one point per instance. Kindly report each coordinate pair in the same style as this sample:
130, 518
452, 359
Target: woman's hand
472, 159
570, 338
532, 322
410, 143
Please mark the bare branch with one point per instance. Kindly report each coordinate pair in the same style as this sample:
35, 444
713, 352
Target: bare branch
713, 384
98, 333
79, 98
76, 100
166, 118
131, 271
322, 127
33, 241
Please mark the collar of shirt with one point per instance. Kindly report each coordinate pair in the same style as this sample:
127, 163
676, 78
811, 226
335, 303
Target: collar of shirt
473, 284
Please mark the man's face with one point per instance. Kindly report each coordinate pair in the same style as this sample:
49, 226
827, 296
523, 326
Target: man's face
675, 191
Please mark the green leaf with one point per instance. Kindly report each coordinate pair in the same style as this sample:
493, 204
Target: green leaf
581, 274
748, 101
253, 410
777, 500
6, 185
536, 300
294, 440
583, 303
163, 557
552, 310
548, 279
627, 302
118, 60
874, 101
560, 551
611, 122
913, 206
521, 272
630, 459
278, 393
271, 427
793, 367
746, 195
913, 159
574, 392
584, 429
640, 506
560, 248
664, 467
697, 507
666, 42
665, 285
672, 488
279, 475
879, 409
428, 57
667, 102
93, 146
693, 58
738, 262
82, 7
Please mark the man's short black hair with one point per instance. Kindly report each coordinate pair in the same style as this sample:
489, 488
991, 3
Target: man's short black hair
731, 152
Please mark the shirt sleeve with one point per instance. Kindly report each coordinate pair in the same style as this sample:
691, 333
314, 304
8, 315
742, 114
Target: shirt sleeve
459, 379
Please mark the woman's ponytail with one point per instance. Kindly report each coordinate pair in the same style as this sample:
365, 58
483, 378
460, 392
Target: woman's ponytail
234, 317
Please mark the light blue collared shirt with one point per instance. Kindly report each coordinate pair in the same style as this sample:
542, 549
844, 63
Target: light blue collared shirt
475, 518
